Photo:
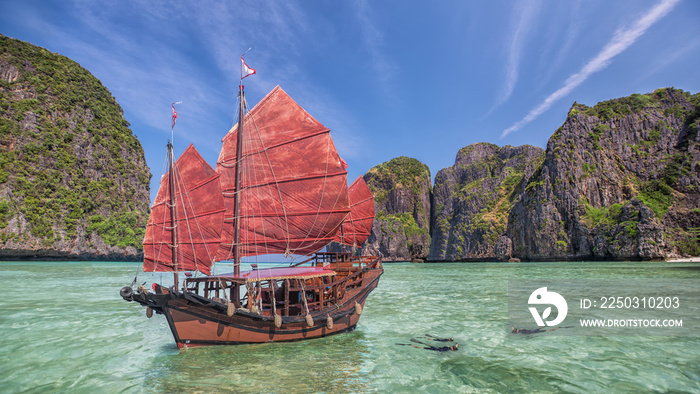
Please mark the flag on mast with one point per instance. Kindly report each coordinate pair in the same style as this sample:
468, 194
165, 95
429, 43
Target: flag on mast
172, 105
245, 70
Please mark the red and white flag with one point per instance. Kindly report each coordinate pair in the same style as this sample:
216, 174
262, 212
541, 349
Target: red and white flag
245, 70
172, 105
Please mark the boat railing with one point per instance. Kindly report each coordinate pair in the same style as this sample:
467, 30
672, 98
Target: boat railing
211, 287
291, 297
340, 260
286, 295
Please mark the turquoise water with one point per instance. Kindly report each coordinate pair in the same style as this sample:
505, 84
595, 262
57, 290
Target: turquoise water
65, 329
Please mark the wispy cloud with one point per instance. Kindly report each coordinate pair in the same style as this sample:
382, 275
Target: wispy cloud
187, 61
373, 40
620, 41
523, 21
673, 55
565, 36
280, 32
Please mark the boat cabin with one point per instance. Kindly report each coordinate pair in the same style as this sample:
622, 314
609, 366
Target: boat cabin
293, 291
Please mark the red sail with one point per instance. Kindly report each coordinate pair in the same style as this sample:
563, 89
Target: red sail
199, 212
293, 183
358, 225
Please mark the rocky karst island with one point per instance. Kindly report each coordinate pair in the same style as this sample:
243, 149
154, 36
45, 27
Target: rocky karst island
74, 182
617, 181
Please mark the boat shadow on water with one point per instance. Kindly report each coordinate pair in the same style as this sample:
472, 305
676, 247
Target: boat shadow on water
331, 364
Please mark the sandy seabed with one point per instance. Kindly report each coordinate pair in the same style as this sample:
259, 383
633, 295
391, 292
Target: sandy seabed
685, 260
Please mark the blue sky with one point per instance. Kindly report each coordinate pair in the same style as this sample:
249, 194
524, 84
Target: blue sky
389, 78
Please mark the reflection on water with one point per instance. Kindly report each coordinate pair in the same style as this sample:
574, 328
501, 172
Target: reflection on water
66, 329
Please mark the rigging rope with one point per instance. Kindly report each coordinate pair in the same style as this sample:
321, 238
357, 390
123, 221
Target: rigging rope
185, 198
338, 195
180, 187
156, 257
260, 184
281, 222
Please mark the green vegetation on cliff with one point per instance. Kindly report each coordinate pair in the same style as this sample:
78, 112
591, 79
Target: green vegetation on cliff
69, 164
632, 165
473, 198
401, 172
401, 189
619, 107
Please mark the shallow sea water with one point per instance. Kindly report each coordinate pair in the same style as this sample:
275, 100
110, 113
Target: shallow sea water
65, 329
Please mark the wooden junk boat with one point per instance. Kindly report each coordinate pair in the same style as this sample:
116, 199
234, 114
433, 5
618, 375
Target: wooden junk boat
279, 187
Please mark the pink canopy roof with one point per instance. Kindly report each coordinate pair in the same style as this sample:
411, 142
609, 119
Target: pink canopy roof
279, 273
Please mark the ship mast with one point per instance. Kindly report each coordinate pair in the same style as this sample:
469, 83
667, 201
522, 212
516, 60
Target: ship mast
237, 191
237, 199
171, 192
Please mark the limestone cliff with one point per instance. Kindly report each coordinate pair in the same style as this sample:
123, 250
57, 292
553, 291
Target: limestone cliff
401, 229
620, 180
74, 183
472, 199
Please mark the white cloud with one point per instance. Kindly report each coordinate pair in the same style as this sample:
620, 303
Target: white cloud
682, 49
620, 41
523, 15
552, 59
373, 40
184, 51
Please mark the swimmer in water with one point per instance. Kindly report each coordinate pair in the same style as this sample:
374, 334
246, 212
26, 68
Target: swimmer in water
431, 347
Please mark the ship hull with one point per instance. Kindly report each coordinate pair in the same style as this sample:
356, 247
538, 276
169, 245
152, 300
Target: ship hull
193, 324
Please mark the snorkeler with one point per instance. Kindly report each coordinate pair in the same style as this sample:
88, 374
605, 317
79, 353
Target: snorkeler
535, 331
526, 331
439, 349
431, 347
432, 338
